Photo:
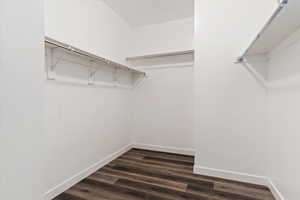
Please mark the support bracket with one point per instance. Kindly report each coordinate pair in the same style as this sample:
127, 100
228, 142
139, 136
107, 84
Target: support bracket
53, 65
116, 76
92, 73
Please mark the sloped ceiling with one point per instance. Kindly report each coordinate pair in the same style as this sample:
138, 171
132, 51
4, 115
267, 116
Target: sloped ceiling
146, 12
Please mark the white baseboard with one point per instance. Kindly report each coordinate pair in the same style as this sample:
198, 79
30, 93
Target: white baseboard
65, 185
164, 149
236, 176
242, 177
276, 193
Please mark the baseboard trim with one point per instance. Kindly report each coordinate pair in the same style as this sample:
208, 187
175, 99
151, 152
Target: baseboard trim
65, 185
276, 193
232, 175
242, 177
151, 147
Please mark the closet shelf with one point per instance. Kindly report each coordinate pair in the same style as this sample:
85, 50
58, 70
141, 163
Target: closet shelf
56, 44
284, 22
168, 54
163, 60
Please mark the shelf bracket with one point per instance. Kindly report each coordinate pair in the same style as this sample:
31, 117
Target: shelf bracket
138, 81
54, 64
51, 68
115, 76
92, 73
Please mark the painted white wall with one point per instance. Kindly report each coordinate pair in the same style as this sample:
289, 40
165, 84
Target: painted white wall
163, 103
259, 65
171, 36
21, 99
230, 107
84, 125
89, 25
283, 118
163, 110
285, 54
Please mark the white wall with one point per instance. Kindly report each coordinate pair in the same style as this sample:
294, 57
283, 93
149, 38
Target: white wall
21, 99
163, 103
163, 110
171, 36
230, 112
283, 60
283, 118
84, 125
89, 25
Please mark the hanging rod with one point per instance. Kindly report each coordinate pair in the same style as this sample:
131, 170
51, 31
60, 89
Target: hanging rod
70, 48
282, 5
176, 53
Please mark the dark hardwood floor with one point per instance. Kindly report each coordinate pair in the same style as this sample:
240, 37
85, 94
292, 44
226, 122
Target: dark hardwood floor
147, 175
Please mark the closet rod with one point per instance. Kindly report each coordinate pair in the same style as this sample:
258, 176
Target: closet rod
282, 4
86, 54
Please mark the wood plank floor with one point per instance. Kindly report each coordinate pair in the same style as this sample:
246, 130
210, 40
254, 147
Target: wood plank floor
147, 175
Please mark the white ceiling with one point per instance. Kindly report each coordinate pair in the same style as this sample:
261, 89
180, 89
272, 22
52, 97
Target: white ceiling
145, 12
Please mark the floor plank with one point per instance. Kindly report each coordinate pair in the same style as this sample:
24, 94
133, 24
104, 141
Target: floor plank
147, 175
145, 179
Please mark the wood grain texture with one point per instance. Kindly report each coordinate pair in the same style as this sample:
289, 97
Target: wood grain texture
148, 175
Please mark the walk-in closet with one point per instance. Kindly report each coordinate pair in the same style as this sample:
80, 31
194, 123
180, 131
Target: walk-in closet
149, 99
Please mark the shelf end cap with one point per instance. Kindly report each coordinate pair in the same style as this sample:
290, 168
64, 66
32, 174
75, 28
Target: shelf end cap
239, 60
283, 3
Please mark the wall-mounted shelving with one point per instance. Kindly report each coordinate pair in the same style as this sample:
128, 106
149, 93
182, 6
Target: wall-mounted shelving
279, 32
65, 63
284, 22
176, 53
161, 60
